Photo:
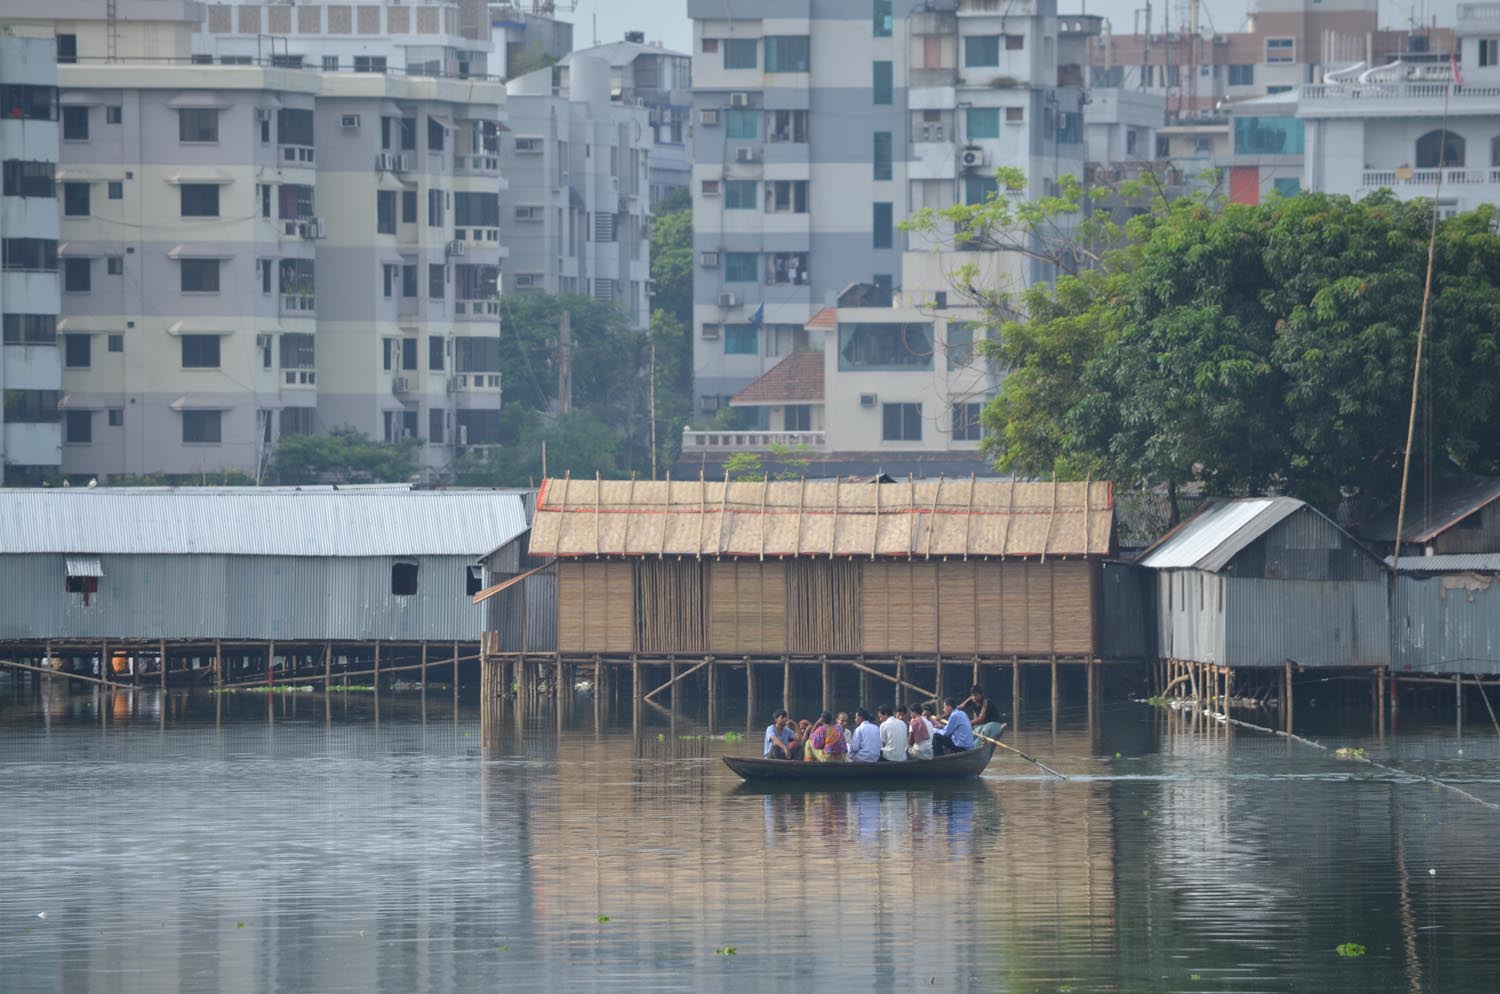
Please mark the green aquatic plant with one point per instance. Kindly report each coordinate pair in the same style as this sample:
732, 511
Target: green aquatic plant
1350, 950
1348, 753
733, 737
725, 951
603, 919
503, 949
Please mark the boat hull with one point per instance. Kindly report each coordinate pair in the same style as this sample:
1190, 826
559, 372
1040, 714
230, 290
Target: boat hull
956, 766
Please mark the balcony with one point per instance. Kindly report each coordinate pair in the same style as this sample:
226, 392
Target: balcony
464, 382
33, 443
993, 8
476, 310
1406, 177
486, 164
750, 441
1395, 99
298, 305
299, 378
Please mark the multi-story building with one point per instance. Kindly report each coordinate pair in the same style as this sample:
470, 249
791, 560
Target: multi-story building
575, 213
267, 249
526, 36
650, 76
818, 128
30, 373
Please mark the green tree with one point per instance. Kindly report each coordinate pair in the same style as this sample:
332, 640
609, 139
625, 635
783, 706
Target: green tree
672, 257
344, 455
743, 467
578, 442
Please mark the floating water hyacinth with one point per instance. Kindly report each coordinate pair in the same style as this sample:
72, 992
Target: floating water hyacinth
1350, 950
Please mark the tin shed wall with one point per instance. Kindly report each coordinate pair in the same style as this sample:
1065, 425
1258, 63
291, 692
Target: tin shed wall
1126, 612
251, 597
1449, 623
1309, 622
1190, 609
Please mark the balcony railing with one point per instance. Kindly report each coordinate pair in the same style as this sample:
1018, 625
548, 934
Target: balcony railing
1429, 177
750, 441
298, 303
1397, 91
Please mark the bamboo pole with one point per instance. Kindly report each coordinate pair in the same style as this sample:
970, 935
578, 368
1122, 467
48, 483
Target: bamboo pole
270, 664
161, 648
713, 691
749, 693
1015, 686
675, 678
827, 684
901, 683
455, 668
424, 666
218, 664
46, 672
786, 682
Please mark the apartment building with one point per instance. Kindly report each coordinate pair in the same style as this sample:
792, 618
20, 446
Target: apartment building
650, 76
575, 214
527, 36
818, 128
253, 250
30, 364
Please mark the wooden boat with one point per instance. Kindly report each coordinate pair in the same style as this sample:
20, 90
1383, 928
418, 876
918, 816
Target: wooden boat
954, 766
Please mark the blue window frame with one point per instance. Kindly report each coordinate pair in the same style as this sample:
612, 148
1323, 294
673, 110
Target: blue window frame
741, 53
884, 86
741, 339
982, 50
742, 123
982, 122
741, 267
739, 194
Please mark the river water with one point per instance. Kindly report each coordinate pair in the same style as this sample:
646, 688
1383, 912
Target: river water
288, 844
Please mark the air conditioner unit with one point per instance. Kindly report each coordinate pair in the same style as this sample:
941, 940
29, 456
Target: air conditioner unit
709, 117
262, 114
529, 213
528, 145
711, 332
729, 300
384, 162
455, 247
349, 122
263, 341
402, 162
401, 384
453, 384
972, 158
745, 155
739, 100
708, 260
867, 400
312, 228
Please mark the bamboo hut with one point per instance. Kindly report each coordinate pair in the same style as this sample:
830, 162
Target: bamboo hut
982, 568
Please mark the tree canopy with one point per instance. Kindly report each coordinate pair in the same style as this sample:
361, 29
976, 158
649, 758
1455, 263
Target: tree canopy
1252, 349
344, 455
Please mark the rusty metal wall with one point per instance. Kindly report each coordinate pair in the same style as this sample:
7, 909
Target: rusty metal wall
1313, 623
1448, 623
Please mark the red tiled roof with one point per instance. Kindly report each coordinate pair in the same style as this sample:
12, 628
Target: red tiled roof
827, 318
797, 379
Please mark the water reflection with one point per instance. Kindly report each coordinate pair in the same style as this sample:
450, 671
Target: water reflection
291, 842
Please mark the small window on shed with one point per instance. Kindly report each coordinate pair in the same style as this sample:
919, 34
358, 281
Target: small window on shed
403, 579
473, 579
83, 576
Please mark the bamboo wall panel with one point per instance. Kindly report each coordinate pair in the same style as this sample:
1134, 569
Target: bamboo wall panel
1015, 608
921, 606
823, 605
957, 595
990, 607
1073, 599
670, 609
747, 606
596, 606
875, 609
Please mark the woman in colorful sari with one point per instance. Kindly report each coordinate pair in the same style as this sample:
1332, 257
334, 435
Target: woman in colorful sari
828, 743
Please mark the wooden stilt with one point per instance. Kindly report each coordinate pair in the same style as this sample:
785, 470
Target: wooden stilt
1015, 689
1458, 697
161, 648
1054, 690
377, 667
713, 694
938, 686
270, 664
1286, 716
598, 693
749, 693
672, 672
786, 682
424, 668
974, 680
1380, 700
635, 676
827, 684
902, 697
219, 665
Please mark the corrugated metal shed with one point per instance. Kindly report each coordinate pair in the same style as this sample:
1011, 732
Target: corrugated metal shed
1214, 535
1127, 611
259, 522
1448, 624
1477, 563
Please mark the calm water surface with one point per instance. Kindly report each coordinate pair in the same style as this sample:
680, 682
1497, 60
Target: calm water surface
281, 845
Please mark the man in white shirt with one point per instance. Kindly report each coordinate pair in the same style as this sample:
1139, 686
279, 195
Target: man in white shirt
893, 735
864, 744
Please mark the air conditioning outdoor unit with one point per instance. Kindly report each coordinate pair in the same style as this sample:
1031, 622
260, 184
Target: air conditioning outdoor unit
708, 260
349, 122
401, 384
402, 162
709, 117
711, 332
972, 158
453, 384
745, 155
729, 300
867, 400
312, 228
263, 341
455, 247
385, 162
739, 100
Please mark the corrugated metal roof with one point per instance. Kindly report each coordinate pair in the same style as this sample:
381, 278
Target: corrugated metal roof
1218, 532
1454, 500
259, 522
1473, 563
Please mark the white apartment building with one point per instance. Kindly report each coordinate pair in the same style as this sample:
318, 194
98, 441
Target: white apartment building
525, 36
575, 214
819, 128
30, 371
257, 250
650, 76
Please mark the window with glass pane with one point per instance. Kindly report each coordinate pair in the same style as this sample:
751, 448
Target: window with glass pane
1070, 128
76, 199
901, 422
198, 124
202, 427
741, 339
199, 199
435, 353
960, 344
75, 124
978, 189
1287, 186
892, 347
30, 329
1267, 136
385, 212
28, 102
883, 224
796, 417
78, 275
740, 194
982, 122
786, 126
966, 427
741, 267
29, 178
200, 351
294, 127
200, 275
476, 210
788, 53
884, 85
982, 50
742, 123
882, 154
786, 196
476, 355
436, 277
78, 427
78, 351
297, 351
1242, 75
883, 21
786, 269
28, 254
741, 53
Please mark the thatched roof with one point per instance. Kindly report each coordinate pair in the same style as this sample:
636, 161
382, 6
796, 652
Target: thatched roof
822, 518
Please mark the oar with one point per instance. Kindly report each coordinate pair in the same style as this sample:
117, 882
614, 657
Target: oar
1018, 752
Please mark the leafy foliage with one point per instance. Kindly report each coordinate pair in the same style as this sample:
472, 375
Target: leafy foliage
344, 455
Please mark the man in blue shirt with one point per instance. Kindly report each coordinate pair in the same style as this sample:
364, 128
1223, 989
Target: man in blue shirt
956, 734
864, 744
779, 736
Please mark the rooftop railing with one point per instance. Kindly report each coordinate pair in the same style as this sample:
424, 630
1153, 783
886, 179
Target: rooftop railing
750, 440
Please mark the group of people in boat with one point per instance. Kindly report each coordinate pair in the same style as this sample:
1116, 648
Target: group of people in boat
892, 734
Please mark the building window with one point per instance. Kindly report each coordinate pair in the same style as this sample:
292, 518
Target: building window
27, 102
115, 343
78, 351
200, 275
981, 123
197, 125
788, 53
391, 274
116, 189
330, 63
30, 329
78, 275
116, 417
28, 255
114, 265
741, 194
200, 351
435, 350
741, 53
202, 427
435, 425
786, 269
1015, 43
67, 49
966, 426
1268, 136
369, 63
786, 196
1281, 50
741, 339
901, 422
476, 210
385, 212
1070, 127
409, 280
1015, 115
29, 179
436, 277
884, 87
960, 344
434, 208
408, 206
298, 421
1242, 75
435, 135
786, 126
200, 200
742, 123
403, 579
883, 21
1287, 186
76, 199
1489, 51
408, 354
891, 347
78, 427
882, 155
883, 217
982, 51
1439, 149
741, 267
75, 124
796, 417
297, 351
